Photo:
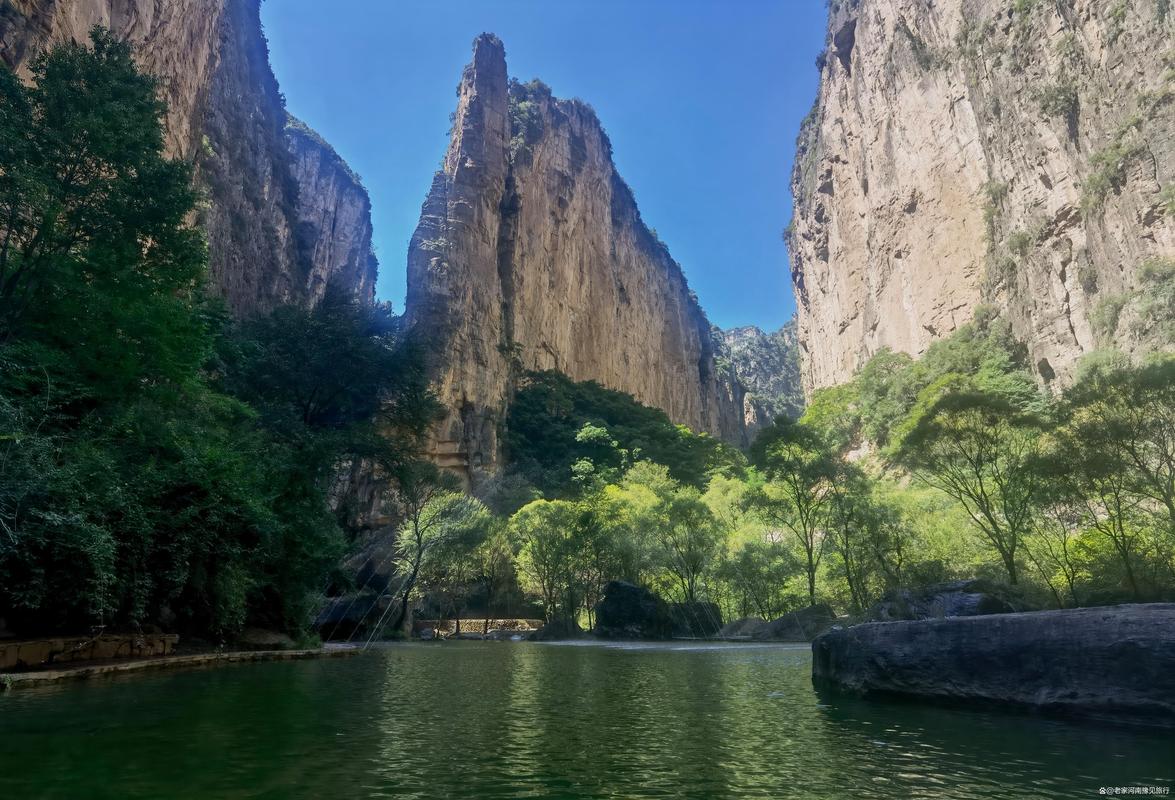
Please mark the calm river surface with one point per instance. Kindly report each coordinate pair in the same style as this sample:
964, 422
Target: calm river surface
501, 719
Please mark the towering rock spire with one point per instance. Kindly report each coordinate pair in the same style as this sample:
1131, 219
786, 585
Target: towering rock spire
531, 255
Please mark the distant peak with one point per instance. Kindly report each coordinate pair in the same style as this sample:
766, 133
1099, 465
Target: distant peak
488, 46
489, 58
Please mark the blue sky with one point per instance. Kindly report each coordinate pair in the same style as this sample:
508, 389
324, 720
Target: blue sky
702, 100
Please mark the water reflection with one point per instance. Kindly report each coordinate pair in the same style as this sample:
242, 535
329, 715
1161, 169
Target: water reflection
493, 719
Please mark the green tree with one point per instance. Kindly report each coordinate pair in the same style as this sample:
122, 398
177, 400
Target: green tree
436, 516
798, 491
982, 449
549, 559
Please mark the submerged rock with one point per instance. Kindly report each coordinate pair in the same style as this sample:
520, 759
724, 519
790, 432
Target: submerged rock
1114, 663
632, 612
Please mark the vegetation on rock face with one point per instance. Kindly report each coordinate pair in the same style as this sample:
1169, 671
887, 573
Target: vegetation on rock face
768, 364
158, 463
561, 434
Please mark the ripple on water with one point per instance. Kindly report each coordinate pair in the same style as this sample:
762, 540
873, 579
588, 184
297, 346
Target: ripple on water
489, 720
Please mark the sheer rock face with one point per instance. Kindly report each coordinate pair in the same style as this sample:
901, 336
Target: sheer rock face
175, 40
954, 157
334, 217
268, 199
531, 255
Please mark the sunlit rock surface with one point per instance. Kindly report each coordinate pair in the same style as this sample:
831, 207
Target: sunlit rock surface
969, 151
531, 255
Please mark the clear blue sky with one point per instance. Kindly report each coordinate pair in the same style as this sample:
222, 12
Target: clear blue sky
702, 100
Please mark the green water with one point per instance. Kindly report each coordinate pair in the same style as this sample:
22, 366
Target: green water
482, 720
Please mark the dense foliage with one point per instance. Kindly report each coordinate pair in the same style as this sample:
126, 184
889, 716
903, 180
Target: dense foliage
158, 463
559, 429
916, 472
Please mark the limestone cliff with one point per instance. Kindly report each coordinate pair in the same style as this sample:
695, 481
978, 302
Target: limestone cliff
768, 365
268, 198
531, 255
1014, 152
334, 216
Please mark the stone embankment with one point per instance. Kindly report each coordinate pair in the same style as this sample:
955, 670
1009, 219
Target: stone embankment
17, 680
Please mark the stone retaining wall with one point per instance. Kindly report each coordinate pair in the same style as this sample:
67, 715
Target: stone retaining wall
40, 652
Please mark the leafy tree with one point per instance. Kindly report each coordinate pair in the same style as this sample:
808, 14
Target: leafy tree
90, 209
981, 449
549, 533
496, 566
160, 465
857, 528
555, 423
436, 517
758, 572
798, 491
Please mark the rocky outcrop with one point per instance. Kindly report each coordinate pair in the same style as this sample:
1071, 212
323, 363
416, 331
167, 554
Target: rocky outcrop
268, 200
334, 216
632, 612
768, 365
1115, 663
801, 625
955, 599
243, 163
968, 151
531, 255
700, 619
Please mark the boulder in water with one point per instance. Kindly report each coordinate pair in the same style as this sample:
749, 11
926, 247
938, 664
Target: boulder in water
632, 612
1115, 663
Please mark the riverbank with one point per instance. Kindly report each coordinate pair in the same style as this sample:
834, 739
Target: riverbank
18, 680
1114, 664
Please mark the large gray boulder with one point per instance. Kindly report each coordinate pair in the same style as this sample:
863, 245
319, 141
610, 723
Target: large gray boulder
801, 625
743, 628
632, 612
696, 620
1115, 662
970, 598
558, 629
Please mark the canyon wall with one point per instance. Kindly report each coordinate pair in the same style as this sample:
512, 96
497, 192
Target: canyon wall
334, 216
282, 214
1013, 152
531, 255
768, 365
